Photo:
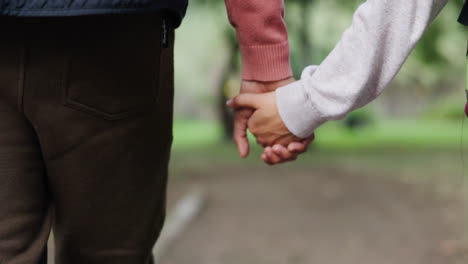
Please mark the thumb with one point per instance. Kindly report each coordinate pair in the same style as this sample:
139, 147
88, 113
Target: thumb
245, 100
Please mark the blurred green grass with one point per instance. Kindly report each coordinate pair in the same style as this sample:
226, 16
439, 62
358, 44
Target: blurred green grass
389, 134
418, 151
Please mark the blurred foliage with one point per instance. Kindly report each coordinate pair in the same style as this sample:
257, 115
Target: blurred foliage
360, 118
430, 84
449, 108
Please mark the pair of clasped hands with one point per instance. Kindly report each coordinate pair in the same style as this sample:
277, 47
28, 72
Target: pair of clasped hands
256, 110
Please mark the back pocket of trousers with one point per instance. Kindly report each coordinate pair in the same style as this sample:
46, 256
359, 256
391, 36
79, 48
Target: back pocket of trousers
113, 74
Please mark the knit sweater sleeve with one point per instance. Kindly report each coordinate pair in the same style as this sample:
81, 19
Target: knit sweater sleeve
263, 38
363, 63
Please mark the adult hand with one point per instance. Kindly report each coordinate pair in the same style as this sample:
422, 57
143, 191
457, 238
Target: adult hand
242, 116
265, 123
278, 154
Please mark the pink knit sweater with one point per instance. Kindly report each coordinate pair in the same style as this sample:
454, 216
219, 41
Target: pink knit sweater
263, 38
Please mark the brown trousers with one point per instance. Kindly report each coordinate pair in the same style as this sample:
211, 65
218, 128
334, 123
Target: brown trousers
85, 135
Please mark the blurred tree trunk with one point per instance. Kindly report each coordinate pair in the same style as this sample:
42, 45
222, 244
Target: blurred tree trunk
304, 36
225, 114
298, 16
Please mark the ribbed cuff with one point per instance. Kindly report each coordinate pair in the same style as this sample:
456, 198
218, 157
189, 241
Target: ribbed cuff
266, 63
296, 111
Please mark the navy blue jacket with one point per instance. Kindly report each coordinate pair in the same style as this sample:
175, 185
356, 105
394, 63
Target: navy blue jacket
91, 7
464, 15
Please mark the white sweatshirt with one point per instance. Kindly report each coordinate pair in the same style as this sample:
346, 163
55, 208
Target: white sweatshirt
365, 60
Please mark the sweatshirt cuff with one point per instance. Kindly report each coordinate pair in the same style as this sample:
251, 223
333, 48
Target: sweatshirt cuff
266, 63
296, 111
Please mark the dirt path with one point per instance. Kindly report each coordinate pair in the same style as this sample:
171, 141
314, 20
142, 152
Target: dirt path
322, 216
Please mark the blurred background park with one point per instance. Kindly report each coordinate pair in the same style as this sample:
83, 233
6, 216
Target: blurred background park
385, 185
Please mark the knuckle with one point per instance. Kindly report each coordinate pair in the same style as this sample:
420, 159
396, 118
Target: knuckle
261, 143
235, 101
276, 160
265, 142
301, 150
283, 155
260, 140
253, 129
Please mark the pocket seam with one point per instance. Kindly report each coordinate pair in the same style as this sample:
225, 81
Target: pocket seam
94, 111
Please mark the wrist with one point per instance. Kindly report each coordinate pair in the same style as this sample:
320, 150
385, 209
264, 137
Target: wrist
296, 111
266, 63
264, 86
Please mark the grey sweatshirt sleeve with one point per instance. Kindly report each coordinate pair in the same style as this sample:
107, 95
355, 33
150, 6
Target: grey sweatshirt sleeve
365, 60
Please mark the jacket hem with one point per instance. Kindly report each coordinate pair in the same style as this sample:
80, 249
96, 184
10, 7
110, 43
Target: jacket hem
44, 12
